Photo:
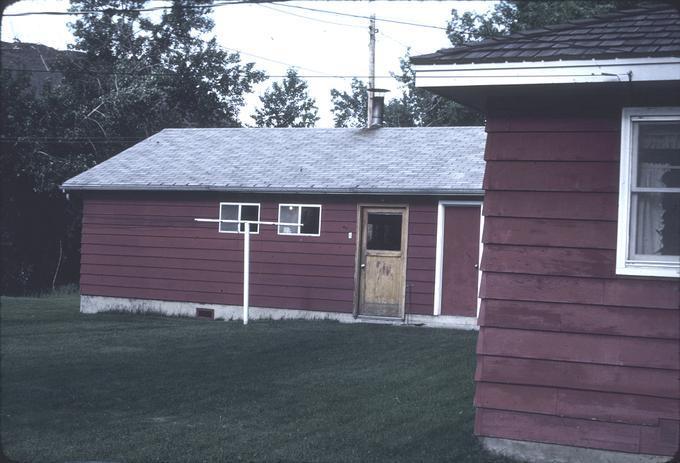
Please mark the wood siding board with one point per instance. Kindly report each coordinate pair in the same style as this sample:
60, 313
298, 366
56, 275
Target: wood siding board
663, 439
552, 205
591, 291
560, 233
552, 176
582, 348
577, 318
558, 430
588, 405
536, 260
575, 125
579, 376
553, 146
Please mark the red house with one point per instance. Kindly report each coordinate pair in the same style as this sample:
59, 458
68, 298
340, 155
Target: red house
389, 224
578, 356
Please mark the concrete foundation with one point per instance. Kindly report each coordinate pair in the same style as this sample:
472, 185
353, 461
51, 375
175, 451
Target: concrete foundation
536, 452
95, 304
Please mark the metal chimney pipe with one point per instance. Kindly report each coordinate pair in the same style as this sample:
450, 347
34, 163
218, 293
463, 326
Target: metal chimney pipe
377, 110
376, 107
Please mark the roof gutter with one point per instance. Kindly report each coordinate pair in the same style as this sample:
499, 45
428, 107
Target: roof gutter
225, 189
547, 72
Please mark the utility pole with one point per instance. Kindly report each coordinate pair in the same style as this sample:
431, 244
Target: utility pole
371, 68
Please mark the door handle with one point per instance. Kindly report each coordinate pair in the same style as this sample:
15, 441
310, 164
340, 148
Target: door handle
363, 265
476, 266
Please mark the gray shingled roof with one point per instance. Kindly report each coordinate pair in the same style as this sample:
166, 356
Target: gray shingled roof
386, 160
648, 31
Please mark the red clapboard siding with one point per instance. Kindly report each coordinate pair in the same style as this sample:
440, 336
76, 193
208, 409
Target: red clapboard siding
552, 176
256, 278
528, 125
569, 352
220, 265
148, 245
583, 348
589, 405
578, 376
549, 261
662, 439
555, 429
661, 294
550, 232
579, 318
551, 205
553, 146
231, 243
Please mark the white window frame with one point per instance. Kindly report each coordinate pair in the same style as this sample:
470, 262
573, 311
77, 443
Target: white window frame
299, 206
238, 227
625, 263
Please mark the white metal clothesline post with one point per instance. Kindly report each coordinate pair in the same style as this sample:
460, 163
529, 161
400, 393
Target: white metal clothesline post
246, 252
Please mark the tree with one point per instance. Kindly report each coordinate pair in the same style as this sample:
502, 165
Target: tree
126, 77
510, 16
167, 74
413, 107
350, 109
287, 104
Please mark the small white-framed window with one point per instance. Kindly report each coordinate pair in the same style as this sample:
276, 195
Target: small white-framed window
307, 216
648, 242
239, 211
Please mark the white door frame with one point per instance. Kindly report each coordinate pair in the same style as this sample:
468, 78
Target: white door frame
439, 262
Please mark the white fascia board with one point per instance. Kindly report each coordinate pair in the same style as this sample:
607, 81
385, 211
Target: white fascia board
548, 72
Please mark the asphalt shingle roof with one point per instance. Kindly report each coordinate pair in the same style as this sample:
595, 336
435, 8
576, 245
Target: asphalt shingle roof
648, 31
385, 160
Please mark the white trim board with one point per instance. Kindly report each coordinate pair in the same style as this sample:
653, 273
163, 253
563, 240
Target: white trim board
548, 72
439, 251
97, 304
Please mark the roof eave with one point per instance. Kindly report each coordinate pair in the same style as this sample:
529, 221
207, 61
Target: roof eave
277, 190
548, 72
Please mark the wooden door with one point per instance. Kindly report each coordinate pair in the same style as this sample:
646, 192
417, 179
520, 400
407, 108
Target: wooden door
460, 263
382, 261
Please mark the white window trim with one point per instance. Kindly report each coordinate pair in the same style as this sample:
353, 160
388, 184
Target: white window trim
278, 228
625, 265
439, 252
238, 228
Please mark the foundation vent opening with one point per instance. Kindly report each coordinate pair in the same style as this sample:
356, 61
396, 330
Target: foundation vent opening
206, 314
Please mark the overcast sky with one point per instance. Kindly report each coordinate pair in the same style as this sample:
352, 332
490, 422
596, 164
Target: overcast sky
277, 36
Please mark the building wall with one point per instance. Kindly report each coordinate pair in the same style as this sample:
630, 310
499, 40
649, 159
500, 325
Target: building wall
147, 245
568, 352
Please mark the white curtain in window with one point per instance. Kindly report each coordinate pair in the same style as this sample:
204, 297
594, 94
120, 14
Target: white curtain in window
648, 238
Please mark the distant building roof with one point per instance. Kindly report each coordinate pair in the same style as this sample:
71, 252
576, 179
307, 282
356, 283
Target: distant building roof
442, 160
652, 30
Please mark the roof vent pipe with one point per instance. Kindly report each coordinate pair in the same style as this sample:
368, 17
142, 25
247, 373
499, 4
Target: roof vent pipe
376, 107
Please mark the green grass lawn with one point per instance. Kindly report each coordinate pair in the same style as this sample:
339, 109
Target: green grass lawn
143, 388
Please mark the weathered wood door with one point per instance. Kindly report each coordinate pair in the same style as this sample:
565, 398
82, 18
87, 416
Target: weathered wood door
461, 259
382, 261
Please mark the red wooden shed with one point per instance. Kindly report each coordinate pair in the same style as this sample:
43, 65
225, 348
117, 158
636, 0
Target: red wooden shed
578, 356
389, 224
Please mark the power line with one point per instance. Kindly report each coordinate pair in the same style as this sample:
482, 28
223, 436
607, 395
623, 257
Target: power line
166, 74
310, 18
137, 10
214, 5
337, 13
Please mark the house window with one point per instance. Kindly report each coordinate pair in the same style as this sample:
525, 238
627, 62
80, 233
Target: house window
306, 216
649, 197
239, 211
